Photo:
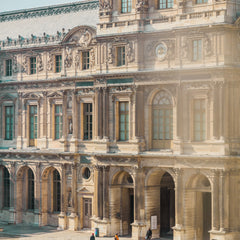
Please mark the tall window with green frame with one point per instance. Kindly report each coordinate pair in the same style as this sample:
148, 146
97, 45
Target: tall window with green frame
123, 121
85, 60
9, 122
56, 191
121, 56
162, 121
33, 123
8, 67
87, 121
201, 1
197, 50
199, 119
126, 6
6, 188
33, 65
58, 63
58, 121
30, 203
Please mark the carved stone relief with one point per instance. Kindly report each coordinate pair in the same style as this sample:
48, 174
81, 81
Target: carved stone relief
105, 5
68, 57
130, 52
82, 38
141, 6
110, 53
208, 50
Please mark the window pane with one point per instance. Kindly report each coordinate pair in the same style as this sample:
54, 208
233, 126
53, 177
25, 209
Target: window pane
9, 122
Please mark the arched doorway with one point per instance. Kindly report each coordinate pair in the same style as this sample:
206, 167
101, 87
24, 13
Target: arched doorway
160, 203
198, 207
122, 203
25, 195
51, 196
4, 188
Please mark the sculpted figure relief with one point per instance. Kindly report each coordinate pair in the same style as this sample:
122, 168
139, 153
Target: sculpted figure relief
105, 5
130, 52
82, 38
39, 63
68, 57
207, 46
141, 5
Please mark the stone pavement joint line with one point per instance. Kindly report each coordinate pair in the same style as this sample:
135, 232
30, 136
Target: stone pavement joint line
25, 232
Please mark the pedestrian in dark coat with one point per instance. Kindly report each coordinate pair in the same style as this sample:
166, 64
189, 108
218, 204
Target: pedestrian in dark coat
149, 234
92, 237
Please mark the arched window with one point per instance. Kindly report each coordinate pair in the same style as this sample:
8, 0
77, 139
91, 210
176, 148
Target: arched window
6, 188
56, 191
30, 204
162, 132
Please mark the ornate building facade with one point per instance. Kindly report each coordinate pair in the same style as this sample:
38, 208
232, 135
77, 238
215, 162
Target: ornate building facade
121, 115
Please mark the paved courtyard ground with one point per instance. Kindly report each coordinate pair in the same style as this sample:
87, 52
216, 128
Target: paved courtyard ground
24, 232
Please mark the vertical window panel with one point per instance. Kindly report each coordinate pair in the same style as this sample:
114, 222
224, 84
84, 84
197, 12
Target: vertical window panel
58, 121
87, 118
33, 65
163, 4
197, 50
8, 67
58, 63
199, 120
123, 121
126, 6
33, 122
6, 188
30, 204
120, 56
9, 122
56, 191
85, 60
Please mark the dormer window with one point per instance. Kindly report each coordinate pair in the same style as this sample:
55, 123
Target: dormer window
8, 67
164, 4
58, 63
33, 65
126, 6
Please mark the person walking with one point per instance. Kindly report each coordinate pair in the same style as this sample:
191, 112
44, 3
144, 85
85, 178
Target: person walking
92, 237
148, 234
116, 237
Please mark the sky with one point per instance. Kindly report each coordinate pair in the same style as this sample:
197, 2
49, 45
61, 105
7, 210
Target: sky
10, 5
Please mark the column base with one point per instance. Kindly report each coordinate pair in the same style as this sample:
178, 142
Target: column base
103, 225
178, 232
62, 223
12, 215
139, 230
223, 234
73, 222
37, 218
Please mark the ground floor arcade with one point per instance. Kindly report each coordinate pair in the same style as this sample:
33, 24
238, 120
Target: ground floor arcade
128, 197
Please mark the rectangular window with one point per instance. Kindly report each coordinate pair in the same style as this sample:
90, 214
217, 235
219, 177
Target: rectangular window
201, 1
33, 66
58, 63
197, 50
87, 121
33, 121
120, 56
123, 121
163, 4
8, 67
9, 121
199, 120
85, 60
58, 121
126, 6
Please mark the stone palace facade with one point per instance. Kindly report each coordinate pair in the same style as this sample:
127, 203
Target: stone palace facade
121, 115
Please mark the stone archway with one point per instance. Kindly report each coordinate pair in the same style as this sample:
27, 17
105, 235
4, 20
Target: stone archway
25, 195
51, 196
160, 202
198, 208
122, 203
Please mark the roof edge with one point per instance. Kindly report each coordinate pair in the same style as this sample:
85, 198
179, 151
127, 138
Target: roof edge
48, 10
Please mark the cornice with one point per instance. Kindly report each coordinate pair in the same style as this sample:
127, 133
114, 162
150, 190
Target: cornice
48, 11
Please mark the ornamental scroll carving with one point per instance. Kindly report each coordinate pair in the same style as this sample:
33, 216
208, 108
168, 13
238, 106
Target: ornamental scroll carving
105, 5
130, 52
141, 6
110, 53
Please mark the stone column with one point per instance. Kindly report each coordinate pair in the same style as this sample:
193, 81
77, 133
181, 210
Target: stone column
105, 106
65, 121
215, 111
221, 112
106, 192
19, 122
98, 114
1, 185
13, 193
139, 116
75, 121
73, 223
98, 192
37, 200
62, 216
215, 200
178, 228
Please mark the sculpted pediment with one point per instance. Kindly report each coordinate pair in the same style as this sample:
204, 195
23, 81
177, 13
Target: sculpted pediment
82, 36
83, 190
